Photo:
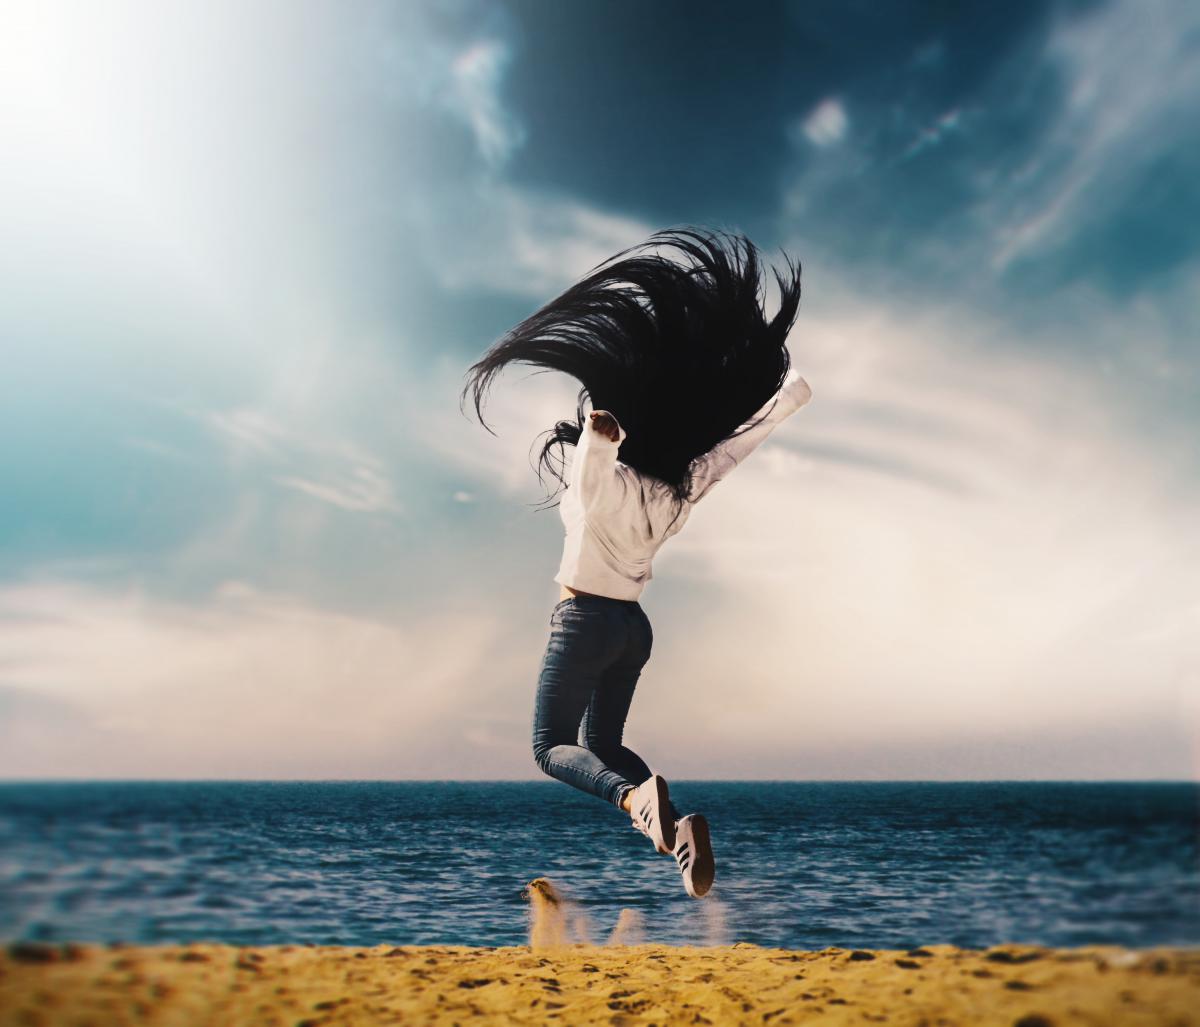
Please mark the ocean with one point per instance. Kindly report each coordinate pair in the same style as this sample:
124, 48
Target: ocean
803, 865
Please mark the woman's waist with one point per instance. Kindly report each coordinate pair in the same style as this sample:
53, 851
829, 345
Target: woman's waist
571, 592
586, 599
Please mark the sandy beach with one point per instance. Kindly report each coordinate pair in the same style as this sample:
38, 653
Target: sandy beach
562, 976
302, 986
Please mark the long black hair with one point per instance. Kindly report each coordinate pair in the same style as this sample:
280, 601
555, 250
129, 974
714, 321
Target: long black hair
680, 352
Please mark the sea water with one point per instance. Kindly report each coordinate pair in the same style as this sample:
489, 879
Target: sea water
800, 865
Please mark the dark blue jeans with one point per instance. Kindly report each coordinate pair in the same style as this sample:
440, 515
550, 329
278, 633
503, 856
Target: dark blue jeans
596, 652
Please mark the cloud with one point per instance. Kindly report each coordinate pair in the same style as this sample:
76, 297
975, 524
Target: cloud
367, 491
1012, 553
476, 74
520, 407
449, 60
158, 448
302, 422
969, 531
826, 123
1130, 82
248, 683
963, 535
520, 242
960, 559
250, 432
950, 121
356, 479
1066, 156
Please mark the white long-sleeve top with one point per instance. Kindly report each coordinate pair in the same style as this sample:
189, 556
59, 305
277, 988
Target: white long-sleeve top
616, 519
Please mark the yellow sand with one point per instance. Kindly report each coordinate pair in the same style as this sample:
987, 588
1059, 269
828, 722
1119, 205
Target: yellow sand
575, 984
556, 979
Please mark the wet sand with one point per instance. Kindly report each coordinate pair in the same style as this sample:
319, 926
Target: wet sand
290, 986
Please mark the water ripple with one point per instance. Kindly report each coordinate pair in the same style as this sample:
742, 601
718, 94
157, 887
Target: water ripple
804, 865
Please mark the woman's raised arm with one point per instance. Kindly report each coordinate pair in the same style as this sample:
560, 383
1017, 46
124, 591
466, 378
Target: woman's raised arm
594, 471
718, 462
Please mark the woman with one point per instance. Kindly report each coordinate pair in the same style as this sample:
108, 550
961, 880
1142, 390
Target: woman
686, 376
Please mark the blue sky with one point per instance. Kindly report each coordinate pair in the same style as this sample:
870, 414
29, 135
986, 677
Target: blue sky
247, 532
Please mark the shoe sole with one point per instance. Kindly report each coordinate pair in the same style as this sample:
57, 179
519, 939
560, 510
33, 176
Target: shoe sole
663, 827
703, 867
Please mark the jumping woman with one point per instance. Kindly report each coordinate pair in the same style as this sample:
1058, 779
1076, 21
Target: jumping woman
685, 376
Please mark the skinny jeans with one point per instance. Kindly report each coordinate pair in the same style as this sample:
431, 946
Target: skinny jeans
595, 654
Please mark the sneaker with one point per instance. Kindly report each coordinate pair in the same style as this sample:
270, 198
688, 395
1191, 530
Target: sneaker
693, 853
650, 810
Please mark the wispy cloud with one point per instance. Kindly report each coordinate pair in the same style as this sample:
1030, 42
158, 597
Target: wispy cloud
1066, 158
931, 135
519, 408
1131, 79
367, 491
447, 61
249, 432
477, 73
355, 482
521, 242
157, 448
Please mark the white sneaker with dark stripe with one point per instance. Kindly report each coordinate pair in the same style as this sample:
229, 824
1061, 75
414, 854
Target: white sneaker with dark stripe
650, 810
693, 853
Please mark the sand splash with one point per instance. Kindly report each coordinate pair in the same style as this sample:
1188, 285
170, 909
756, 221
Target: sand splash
555, 920
630, 929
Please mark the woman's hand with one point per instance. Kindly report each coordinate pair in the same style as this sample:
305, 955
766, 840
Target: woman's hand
605, 424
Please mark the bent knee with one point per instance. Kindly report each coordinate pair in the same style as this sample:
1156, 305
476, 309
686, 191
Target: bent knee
541, 756
605, 750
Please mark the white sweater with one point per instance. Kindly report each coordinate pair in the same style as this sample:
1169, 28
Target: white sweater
616, 519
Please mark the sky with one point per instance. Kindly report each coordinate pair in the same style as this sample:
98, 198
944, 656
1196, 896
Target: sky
251, 249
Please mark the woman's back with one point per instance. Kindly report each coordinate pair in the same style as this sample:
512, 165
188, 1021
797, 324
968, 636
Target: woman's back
616, 518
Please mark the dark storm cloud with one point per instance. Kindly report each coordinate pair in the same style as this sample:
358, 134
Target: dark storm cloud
684, 107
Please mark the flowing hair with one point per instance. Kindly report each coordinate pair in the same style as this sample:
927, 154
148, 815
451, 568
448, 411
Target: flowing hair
680, 352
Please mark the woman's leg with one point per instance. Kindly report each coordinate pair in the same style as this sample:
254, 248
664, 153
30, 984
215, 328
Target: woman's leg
585, 639
603, 725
